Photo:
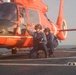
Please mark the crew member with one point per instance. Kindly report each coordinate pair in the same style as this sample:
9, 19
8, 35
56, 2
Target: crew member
50, 38
22, 23
39, 40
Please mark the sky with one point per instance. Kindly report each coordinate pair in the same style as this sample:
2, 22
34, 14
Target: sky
69, 15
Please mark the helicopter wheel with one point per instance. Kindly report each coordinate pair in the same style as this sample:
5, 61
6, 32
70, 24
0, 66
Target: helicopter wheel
14, 51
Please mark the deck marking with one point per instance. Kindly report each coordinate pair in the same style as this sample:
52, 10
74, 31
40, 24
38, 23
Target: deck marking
41, 65
40, 59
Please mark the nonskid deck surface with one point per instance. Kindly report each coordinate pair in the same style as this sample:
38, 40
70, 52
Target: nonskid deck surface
63, 62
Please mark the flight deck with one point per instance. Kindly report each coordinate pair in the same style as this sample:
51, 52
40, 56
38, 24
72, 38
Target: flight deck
63, 62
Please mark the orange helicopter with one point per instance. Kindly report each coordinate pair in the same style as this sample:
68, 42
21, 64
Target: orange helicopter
34, 12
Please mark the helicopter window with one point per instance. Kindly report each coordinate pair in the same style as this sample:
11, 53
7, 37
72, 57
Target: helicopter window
8, 11
8, 16
34, 17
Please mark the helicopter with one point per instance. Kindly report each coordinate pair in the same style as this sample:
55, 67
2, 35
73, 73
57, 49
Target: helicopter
34, 12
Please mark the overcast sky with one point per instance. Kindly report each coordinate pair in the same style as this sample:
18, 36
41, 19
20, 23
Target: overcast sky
69, 14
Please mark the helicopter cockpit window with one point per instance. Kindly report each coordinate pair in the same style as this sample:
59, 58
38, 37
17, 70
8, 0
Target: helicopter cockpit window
34, 17
8, 17
8, 11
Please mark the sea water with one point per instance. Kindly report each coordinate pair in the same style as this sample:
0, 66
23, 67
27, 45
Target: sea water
67, 46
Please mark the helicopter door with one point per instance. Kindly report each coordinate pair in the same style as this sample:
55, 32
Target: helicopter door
22, 19
33, 18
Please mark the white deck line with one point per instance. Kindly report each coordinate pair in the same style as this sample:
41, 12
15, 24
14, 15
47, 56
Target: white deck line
36, 65
40, 59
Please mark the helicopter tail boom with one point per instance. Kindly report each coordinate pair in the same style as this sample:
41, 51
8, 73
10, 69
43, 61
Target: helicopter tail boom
61, 22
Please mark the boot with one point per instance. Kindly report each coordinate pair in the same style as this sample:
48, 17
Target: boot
51, 53
33, 54
46, 55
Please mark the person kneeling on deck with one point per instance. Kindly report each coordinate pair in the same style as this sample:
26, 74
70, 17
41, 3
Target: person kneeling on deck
39, 41
50, 38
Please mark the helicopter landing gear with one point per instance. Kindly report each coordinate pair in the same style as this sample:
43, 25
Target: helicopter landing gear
14, 51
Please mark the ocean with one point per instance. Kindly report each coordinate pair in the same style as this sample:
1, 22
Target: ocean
67, 46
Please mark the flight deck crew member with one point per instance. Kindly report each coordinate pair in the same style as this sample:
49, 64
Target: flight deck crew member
39, 40
50, 38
